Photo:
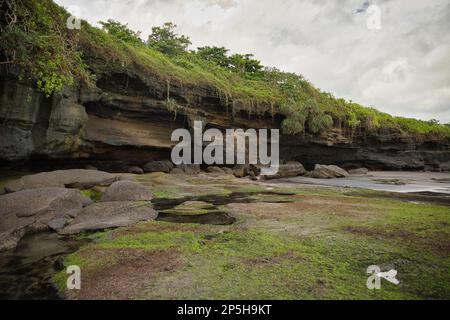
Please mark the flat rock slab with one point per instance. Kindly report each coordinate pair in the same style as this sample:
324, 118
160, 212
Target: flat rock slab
106, 215
127, 191
32, 210
76, 178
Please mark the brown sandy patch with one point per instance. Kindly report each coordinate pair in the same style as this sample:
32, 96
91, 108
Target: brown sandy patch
439, 242
128, 277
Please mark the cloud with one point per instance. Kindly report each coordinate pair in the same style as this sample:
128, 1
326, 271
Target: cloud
403, 69
364, 7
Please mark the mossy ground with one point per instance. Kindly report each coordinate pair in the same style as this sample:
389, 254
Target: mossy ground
302, 243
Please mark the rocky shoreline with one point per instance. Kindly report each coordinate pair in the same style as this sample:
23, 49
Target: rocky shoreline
140, 224
74, 201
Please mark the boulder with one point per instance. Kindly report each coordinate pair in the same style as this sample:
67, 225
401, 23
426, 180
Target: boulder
239, 171
32, 210
135, 170
76, 178
106, 215
360, 171
159, 166
328, 172
288, 170
127, 191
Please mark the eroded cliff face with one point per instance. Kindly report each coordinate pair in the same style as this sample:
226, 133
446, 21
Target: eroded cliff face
127, 121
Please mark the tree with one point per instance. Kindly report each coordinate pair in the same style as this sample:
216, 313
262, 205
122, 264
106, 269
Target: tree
245, 63
165, 40
217, 55
121, 31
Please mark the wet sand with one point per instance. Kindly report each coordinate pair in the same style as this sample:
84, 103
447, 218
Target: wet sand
402, 182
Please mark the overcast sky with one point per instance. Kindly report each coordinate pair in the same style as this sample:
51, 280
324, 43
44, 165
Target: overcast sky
403, 68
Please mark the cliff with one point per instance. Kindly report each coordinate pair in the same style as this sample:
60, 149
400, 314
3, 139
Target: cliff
127, 98
125, 121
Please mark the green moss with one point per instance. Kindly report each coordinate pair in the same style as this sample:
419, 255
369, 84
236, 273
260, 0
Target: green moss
262, 262
166, 194
92, 194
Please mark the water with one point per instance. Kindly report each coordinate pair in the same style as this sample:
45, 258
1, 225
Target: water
27, 271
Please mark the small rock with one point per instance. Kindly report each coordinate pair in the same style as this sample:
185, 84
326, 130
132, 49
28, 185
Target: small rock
127, 191
90, 167
159, 166
135, 170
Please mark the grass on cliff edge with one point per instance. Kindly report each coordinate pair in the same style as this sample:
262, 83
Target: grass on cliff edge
46, 51
316, 247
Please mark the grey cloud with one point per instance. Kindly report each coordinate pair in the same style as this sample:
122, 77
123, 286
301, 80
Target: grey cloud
364, 7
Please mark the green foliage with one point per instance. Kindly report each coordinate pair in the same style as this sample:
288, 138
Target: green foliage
239, 63
121, 31
245, 63
35, 41
217, 55
165, 40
